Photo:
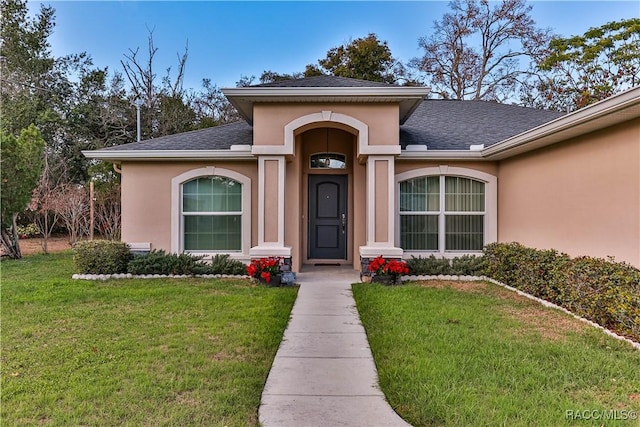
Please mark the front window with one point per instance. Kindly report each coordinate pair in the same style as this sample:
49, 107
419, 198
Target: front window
442, 214
212, 214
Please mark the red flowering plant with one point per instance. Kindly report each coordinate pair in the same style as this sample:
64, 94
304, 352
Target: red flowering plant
264, 269
382, 267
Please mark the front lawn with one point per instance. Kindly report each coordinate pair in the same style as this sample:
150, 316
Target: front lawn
134, 352
453, 354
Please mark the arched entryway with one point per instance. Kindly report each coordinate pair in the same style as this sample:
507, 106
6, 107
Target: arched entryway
329, 177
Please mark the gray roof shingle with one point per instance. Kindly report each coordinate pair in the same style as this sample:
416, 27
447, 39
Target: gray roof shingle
438, 124
214, 138
456, 125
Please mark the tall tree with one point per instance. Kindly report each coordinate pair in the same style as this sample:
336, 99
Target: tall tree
580, 70
476, 48
211, 107
20, 169
165, 109
365, 58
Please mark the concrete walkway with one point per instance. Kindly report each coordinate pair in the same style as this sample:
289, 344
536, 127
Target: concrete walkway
323, 373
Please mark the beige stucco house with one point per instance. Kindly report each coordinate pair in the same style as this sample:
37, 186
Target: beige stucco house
333, 170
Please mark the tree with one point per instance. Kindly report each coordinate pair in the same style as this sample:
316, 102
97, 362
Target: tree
212, 108
580, 70
166, 109
44, 201
21, 166
475, 50
366, 58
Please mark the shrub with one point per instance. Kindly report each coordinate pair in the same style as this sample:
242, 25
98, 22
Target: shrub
466, 265
222, 264
429, 266
602, 291
28, 231
538, 272
160, 262
101, 257
605, 292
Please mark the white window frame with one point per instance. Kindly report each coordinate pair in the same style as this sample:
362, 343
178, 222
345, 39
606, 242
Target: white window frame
177, 216
490, 207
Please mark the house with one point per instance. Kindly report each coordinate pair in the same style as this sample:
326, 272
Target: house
335, 170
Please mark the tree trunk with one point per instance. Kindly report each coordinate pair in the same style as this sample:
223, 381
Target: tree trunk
11, 242
16, 238
45, 234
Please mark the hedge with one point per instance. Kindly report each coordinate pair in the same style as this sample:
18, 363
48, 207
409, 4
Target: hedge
160, 262
603, 291
101, 257
431, 266
108, 257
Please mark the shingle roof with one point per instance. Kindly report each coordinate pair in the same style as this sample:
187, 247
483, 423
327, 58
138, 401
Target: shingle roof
438, 124
456, 125
325, 81
214, 138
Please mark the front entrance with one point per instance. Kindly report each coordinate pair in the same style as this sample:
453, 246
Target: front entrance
328, 217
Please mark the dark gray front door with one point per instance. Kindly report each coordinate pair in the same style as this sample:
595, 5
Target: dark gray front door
327, 216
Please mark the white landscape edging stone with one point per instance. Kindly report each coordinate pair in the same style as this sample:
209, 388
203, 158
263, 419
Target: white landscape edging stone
526, 295
155, 276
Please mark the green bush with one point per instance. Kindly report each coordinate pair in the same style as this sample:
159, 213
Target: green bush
468, 265
537, 272
28, 231
431, 266
605, 292
160, 262
602, 291
101, 257
222, 264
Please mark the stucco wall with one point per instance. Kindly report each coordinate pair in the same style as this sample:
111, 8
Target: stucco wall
146, 198
269, 120
581, 196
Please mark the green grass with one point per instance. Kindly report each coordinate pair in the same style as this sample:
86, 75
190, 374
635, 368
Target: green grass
134, 352
476, 354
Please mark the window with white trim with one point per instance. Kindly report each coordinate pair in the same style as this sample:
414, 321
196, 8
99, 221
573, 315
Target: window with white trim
442, 214
212, 214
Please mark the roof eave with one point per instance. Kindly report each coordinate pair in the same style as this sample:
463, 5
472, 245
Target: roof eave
117, 156
441, 155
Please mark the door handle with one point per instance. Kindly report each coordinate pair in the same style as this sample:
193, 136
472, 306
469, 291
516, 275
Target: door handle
344, 222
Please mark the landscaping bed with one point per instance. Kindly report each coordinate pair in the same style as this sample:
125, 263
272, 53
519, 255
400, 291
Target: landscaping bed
189, 351
472, 353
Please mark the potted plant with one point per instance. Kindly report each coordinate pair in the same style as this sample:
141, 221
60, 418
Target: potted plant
387, 271
266, 270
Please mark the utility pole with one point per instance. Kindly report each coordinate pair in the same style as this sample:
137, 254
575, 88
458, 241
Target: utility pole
92, 209
138, 103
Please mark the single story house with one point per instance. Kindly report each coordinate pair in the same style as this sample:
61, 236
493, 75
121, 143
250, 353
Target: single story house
333, 170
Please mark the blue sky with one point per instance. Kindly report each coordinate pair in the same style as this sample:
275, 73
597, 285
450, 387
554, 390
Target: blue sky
228, 39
